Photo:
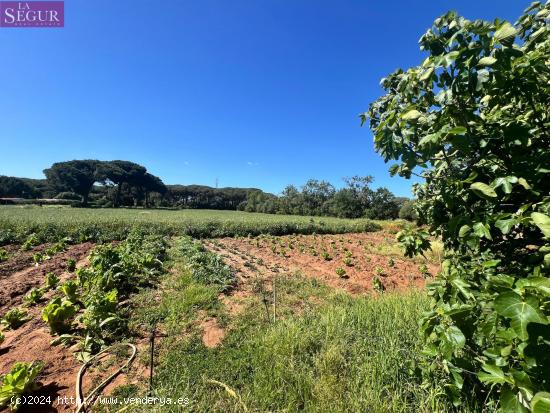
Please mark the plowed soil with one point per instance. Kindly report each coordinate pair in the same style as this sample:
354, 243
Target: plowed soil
369, 255
31, 341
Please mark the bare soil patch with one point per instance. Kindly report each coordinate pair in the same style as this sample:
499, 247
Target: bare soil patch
16, 284
212, 333
18, 259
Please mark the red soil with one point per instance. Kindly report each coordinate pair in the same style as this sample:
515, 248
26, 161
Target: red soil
31, 341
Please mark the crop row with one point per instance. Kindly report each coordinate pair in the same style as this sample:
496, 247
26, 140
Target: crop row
88, 310
51, 224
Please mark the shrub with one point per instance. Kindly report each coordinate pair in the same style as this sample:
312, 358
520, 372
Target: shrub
473, 119
407, 211
71, 196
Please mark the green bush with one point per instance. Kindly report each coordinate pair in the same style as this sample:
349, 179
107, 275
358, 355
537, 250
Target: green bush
473, 120
407, 211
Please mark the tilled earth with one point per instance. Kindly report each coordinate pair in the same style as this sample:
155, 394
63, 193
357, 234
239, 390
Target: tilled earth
363, 257
31, 341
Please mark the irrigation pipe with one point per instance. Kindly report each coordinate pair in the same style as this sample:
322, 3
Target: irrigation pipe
89, 399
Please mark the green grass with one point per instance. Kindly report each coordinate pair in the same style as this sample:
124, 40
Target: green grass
52, 223
326, 351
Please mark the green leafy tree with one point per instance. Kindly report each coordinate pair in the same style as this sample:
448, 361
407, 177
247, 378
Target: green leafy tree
407, 211
382, 205
76, 176
473, 121
11, 187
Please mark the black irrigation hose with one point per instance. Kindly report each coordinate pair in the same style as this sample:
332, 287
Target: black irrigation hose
90, 398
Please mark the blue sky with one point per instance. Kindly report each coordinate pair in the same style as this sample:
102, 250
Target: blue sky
256, 93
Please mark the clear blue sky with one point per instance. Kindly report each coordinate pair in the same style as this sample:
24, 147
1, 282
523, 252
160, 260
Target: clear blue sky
257, 93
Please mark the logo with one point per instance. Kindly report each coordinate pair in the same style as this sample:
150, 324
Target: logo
32, 14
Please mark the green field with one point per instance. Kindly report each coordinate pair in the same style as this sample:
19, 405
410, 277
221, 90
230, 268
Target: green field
50, 223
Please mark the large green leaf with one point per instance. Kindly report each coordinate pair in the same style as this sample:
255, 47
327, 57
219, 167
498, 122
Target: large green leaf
540, 284
483, 76
505, 225
481, 230
448, 59
493, 375
520, 312
455, 336
510, 403
483, 190
411, 115
487, 61
541, 403
542, 221
505, 34
458, 130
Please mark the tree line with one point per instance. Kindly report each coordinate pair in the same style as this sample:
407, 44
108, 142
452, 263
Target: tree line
355, 200
127, 184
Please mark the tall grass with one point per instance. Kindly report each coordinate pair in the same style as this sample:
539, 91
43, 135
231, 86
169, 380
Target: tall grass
326, 351
51, 223
348, 355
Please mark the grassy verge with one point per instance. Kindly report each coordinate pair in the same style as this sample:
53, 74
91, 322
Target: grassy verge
53, 223
325, 351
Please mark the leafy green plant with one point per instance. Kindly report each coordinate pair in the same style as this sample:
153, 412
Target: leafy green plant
14, 318
413, 241
33, 296
70, 290
326, 256
19, 381
38, 257
348, 262
391, 262
423, 268
472, 121
2, 337
379, 271
51, 280
3, 255
341, 273
71, 264
377, 285
207, 266
30, 242
59, 314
